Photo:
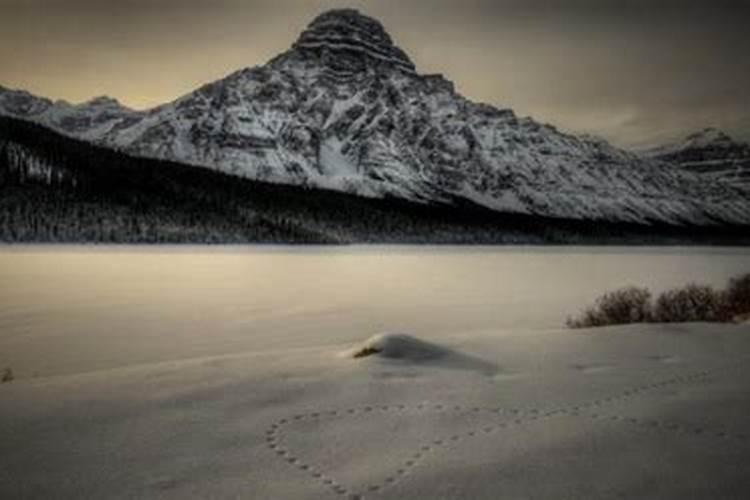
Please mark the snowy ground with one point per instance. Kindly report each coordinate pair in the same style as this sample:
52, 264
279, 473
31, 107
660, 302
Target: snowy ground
492, 412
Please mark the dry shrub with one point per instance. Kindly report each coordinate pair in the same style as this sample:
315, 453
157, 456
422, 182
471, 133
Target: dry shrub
626, 305
691, 303
737, 297
7, 376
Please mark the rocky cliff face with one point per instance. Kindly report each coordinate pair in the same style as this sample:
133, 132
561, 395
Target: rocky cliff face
345, 109
712, 154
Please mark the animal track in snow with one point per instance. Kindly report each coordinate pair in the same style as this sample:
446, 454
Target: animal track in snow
509, 417
276, 442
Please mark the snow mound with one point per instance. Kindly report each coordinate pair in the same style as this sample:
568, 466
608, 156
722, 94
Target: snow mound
399, 346
402, 347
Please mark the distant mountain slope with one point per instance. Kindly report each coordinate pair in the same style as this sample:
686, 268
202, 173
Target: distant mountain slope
345, 109
710, 153
57, 189
90, 120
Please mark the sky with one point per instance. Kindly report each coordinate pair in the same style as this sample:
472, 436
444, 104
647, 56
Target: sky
637, 72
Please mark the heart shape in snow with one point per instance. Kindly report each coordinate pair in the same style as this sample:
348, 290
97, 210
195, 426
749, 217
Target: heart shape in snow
310, 443
289, 438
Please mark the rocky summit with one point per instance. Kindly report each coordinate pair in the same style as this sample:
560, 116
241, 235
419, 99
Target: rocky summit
345, 109
347, 42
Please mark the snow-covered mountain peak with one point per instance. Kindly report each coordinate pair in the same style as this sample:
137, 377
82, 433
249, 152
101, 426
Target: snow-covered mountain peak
347, 41
22, 103
710, 153
103, 101
709, 138
706, 137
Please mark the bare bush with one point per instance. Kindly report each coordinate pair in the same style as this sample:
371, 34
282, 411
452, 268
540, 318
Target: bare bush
7, 376
626, 305
691, 303
737, 297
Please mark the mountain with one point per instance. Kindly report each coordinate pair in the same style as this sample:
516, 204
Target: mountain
55, 189
90, 120
345, 109
710, 153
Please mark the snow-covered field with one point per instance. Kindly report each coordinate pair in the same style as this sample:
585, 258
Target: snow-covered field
192, 372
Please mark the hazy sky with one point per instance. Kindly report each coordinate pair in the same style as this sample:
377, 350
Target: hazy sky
633, 71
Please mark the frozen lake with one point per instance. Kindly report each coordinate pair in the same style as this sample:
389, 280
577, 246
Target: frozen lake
72, 309
215, 372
